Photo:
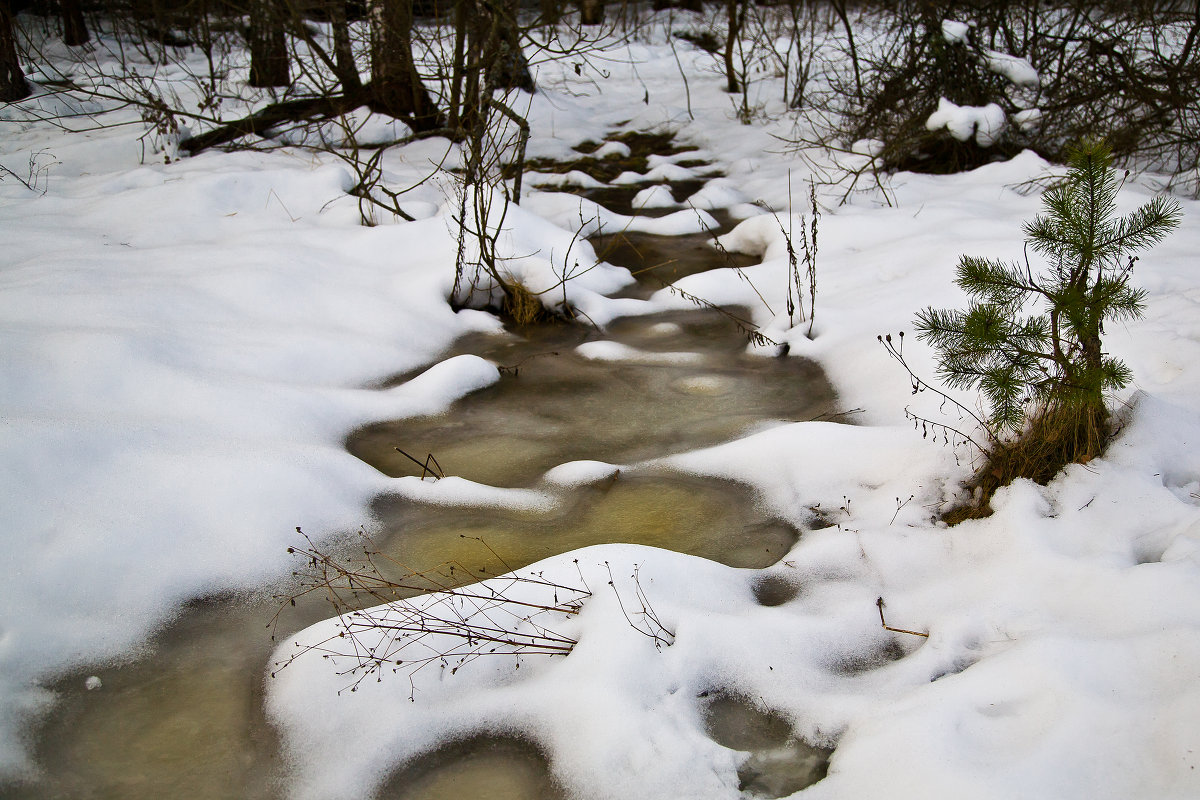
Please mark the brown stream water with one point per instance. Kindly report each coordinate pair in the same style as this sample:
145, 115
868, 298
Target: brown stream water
185, 719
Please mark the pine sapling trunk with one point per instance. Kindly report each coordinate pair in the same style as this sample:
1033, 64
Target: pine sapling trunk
1093, 410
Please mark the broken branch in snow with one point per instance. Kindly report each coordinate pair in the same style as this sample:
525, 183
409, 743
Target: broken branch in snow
429, 466
886, 627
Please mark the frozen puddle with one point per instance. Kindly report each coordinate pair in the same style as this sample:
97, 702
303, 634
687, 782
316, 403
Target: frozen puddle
184, 720
716, 520
555, 406
695, 386
657, 260
186, 717
779, 764
483, 767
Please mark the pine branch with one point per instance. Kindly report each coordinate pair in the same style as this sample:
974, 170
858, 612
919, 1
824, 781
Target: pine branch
1053, 357
1144, 227
993, 279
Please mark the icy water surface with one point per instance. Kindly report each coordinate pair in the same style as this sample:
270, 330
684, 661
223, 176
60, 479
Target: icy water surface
779, 764
712, 519
687, 384
484, 767
185, 719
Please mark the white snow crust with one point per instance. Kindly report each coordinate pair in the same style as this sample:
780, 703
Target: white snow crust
615, 351
1018, 70
718, 193
657, 196
580, 473
985, 123
955, 32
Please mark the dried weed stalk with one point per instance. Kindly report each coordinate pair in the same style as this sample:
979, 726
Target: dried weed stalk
431, 620
382, 627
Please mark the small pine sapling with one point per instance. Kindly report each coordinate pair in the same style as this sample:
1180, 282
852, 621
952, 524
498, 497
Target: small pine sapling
1031, 340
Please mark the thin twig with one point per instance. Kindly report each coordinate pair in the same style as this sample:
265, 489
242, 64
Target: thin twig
886, 627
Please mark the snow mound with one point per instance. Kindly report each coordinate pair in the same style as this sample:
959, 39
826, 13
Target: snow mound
955, 32
1018, 70
657, 196
571, 178
588, 217
580, 473
718, 193
612, 150
615, 351
985, 123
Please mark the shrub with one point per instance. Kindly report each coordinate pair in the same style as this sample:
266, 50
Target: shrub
1031, 340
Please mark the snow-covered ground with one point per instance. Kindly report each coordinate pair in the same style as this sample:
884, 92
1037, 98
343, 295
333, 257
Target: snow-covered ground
185, 347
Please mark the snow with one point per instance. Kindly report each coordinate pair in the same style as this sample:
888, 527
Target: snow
570, 178
1029, 119
868, 147
1018, 70
985, 123
612, 150
580, 473
360, 127
615, 351
665, 171
454, 491
186, 347
589, 218
657, 196
718, 193
955, 32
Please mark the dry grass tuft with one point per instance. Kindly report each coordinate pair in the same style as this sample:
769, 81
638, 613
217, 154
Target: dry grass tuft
1054, 438
522, 307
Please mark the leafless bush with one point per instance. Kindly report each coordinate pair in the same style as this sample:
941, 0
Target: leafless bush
1035, 75
389, 622
391, 619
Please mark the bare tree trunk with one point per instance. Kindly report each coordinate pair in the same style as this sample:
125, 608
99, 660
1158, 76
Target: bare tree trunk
509, 69
75, 30
396, 84
839, 7
343, 50
12, 80
268, 45
591, 12
735, 16
463, 10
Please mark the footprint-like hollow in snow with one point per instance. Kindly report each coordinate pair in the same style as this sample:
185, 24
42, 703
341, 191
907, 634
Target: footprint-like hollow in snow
491, 766
780, 763
857, 663
773, 590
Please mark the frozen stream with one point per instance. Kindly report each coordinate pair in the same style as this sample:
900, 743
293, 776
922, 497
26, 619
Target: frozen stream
184, 718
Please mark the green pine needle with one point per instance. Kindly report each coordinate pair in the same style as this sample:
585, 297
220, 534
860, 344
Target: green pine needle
1055, 356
